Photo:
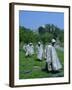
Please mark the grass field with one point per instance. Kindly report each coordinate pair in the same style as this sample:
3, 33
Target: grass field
30, 67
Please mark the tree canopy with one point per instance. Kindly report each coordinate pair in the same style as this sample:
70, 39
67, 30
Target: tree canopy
43, 33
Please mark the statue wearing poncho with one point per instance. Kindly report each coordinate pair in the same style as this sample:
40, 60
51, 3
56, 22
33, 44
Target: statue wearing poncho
39, 51
52, 60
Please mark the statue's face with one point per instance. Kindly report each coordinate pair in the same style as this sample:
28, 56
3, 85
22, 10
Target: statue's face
30, 44
38, 44
53, 43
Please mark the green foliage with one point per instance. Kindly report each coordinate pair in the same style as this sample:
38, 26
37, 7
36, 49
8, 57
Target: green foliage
27, 35
46, 37
41, 30
50, 31
61, 36
44, 33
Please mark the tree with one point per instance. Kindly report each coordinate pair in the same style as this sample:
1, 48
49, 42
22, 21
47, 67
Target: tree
41, 30
44, 34
46, 38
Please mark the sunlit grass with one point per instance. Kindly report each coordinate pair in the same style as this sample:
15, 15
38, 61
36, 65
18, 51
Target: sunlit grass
30, 67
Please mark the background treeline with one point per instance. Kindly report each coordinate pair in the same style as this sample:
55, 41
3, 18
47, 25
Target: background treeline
44, 34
